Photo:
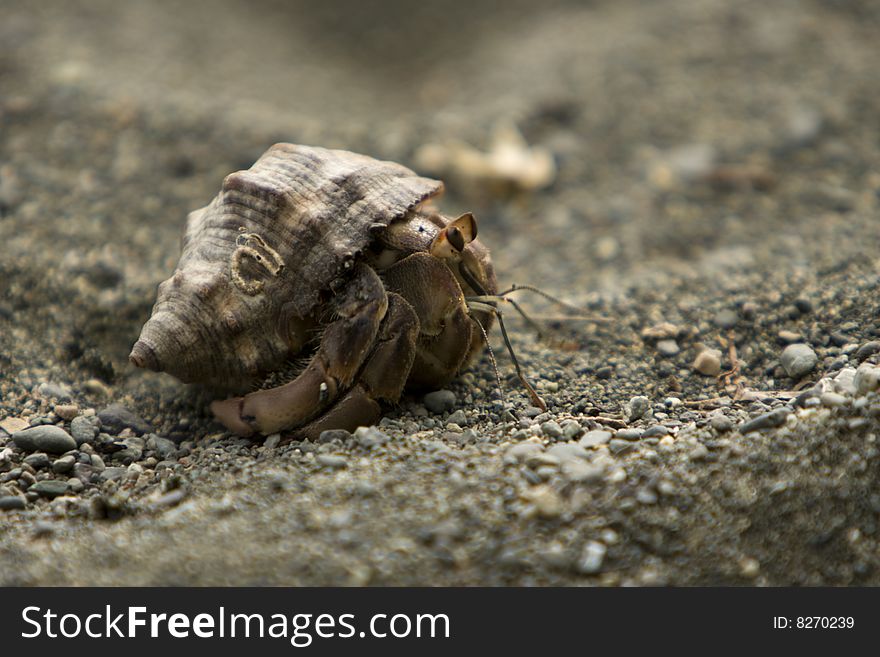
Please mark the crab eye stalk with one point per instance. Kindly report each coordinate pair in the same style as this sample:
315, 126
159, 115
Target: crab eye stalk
456, 239
451, 240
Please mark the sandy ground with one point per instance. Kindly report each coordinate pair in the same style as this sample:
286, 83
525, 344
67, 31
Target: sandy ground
718, 170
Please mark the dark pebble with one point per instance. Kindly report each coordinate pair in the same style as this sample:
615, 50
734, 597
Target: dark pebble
117, 417
38, 460
867, 349
49, 488
803, 306
769, 420
12, 503
439, 401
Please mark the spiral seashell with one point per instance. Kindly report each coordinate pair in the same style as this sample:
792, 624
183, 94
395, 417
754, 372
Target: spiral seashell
260, 258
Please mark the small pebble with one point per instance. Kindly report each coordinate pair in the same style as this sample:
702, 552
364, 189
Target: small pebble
628, 434
12, 503
66, 411
458, 417
591, 558
112, 474
667, 347
332, 461
64, 464
595, 438
38, 460
370, 437
551, 429
866, 379
439, 401
775, 418
708, 362
867, 349
639, 407
798, 360
117, 417
832, 399
49, 488
720, 422
568, 451
84, 429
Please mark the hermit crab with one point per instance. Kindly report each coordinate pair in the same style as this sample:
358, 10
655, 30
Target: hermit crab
333, 258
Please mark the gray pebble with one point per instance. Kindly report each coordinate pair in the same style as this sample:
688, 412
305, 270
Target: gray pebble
112, 474
38, 460
568, 451
49, 488
47, 438
628, 434
720, 422
97, 462
440, 401
458, 418
798, 360
12, 502
591, 558
656, 431
866, 379
331, 435
595, 438
639, 407
571, 430
370, 437
75, 485
769, 420
117, 417
163, 447
64, 464
522, 452
618, 446
551, 429
85, 428
332, 460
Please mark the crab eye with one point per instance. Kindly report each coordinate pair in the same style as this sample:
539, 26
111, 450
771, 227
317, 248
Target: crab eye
456, 239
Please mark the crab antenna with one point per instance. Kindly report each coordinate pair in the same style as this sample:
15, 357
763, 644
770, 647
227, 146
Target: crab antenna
493, 299
492, 359
471, 280
556, 300
491, 308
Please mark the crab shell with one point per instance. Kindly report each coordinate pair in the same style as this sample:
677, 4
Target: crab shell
264, 264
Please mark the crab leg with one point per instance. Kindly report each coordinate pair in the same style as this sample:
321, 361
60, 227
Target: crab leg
383, 377
344, 347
